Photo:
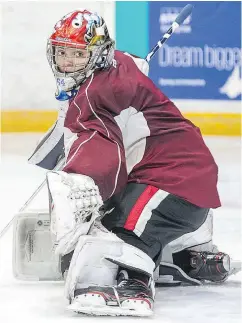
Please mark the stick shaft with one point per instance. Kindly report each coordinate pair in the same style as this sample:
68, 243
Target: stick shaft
59, 165
186, 11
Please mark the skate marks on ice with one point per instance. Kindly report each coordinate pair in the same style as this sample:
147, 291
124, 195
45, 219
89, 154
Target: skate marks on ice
44, 302
32, 302
211, 303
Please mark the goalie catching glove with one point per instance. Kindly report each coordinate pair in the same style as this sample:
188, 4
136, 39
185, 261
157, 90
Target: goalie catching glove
76, 201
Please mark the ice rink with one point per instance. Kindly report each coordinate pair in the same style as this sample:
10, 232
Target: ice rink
44, 302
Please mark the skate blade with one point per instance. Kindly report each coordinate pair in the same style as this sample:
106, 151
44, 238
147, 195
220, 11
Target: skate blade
235, 267
105, 310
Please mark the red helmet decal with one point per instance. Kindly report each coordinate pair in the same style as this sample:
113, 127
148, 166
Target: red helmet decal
77, 28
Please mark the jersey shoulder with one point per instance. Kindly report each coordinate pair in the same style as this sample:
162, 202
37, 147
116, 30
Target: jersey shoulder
131, 59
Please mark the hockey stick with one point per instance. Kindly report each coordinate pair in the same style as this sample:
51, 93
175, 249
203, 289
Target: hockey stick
186, 11
59, 165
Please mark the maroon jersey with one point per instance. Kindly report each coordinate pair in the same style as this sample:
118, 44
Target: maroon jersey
126, 130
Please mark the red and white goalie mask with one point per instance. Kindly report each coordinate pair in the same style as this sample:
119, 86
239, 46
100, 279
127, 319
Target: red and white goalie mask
79, 44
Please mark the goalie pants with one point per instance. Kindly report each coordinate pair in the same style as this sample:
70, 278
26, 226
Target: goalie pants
149, 218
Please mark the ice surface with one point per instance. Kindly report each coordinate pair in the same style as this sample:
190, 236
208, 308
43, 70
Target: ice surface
44, 302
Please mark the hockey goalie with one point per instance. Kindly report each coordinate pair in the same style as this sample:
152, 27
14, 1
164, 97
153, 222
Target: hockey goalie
132, 205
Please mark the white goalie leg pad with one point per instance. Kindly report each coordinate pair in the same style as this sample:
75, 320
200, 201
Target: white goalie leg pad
96, 259
76, 201
200, 238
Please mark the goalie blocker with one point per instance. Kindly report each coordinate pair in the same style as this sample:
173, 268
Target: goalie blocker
33, 254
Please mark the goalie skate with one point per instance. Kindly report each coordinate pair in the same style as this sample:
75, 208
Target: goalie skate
211, 267
196, 268
131, 297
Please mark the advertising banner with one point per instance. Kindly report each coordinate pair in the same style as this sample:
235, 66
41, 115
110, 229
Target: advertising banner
202, 59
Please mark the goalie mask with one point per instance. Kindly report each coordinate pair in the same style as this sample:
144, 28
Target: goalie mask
79, 44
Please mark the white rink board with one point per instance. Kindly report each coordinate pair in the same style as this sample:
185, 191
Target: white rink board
28, 80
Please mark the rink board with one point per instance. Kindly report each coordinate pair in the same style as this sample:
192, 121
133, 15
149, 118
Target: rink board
210, 123
196, 52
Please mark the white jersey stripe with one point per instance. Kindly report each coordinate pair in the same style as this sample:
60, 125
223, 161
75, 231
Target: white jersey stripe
146, 214
82, 143
118, 170
92, 107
